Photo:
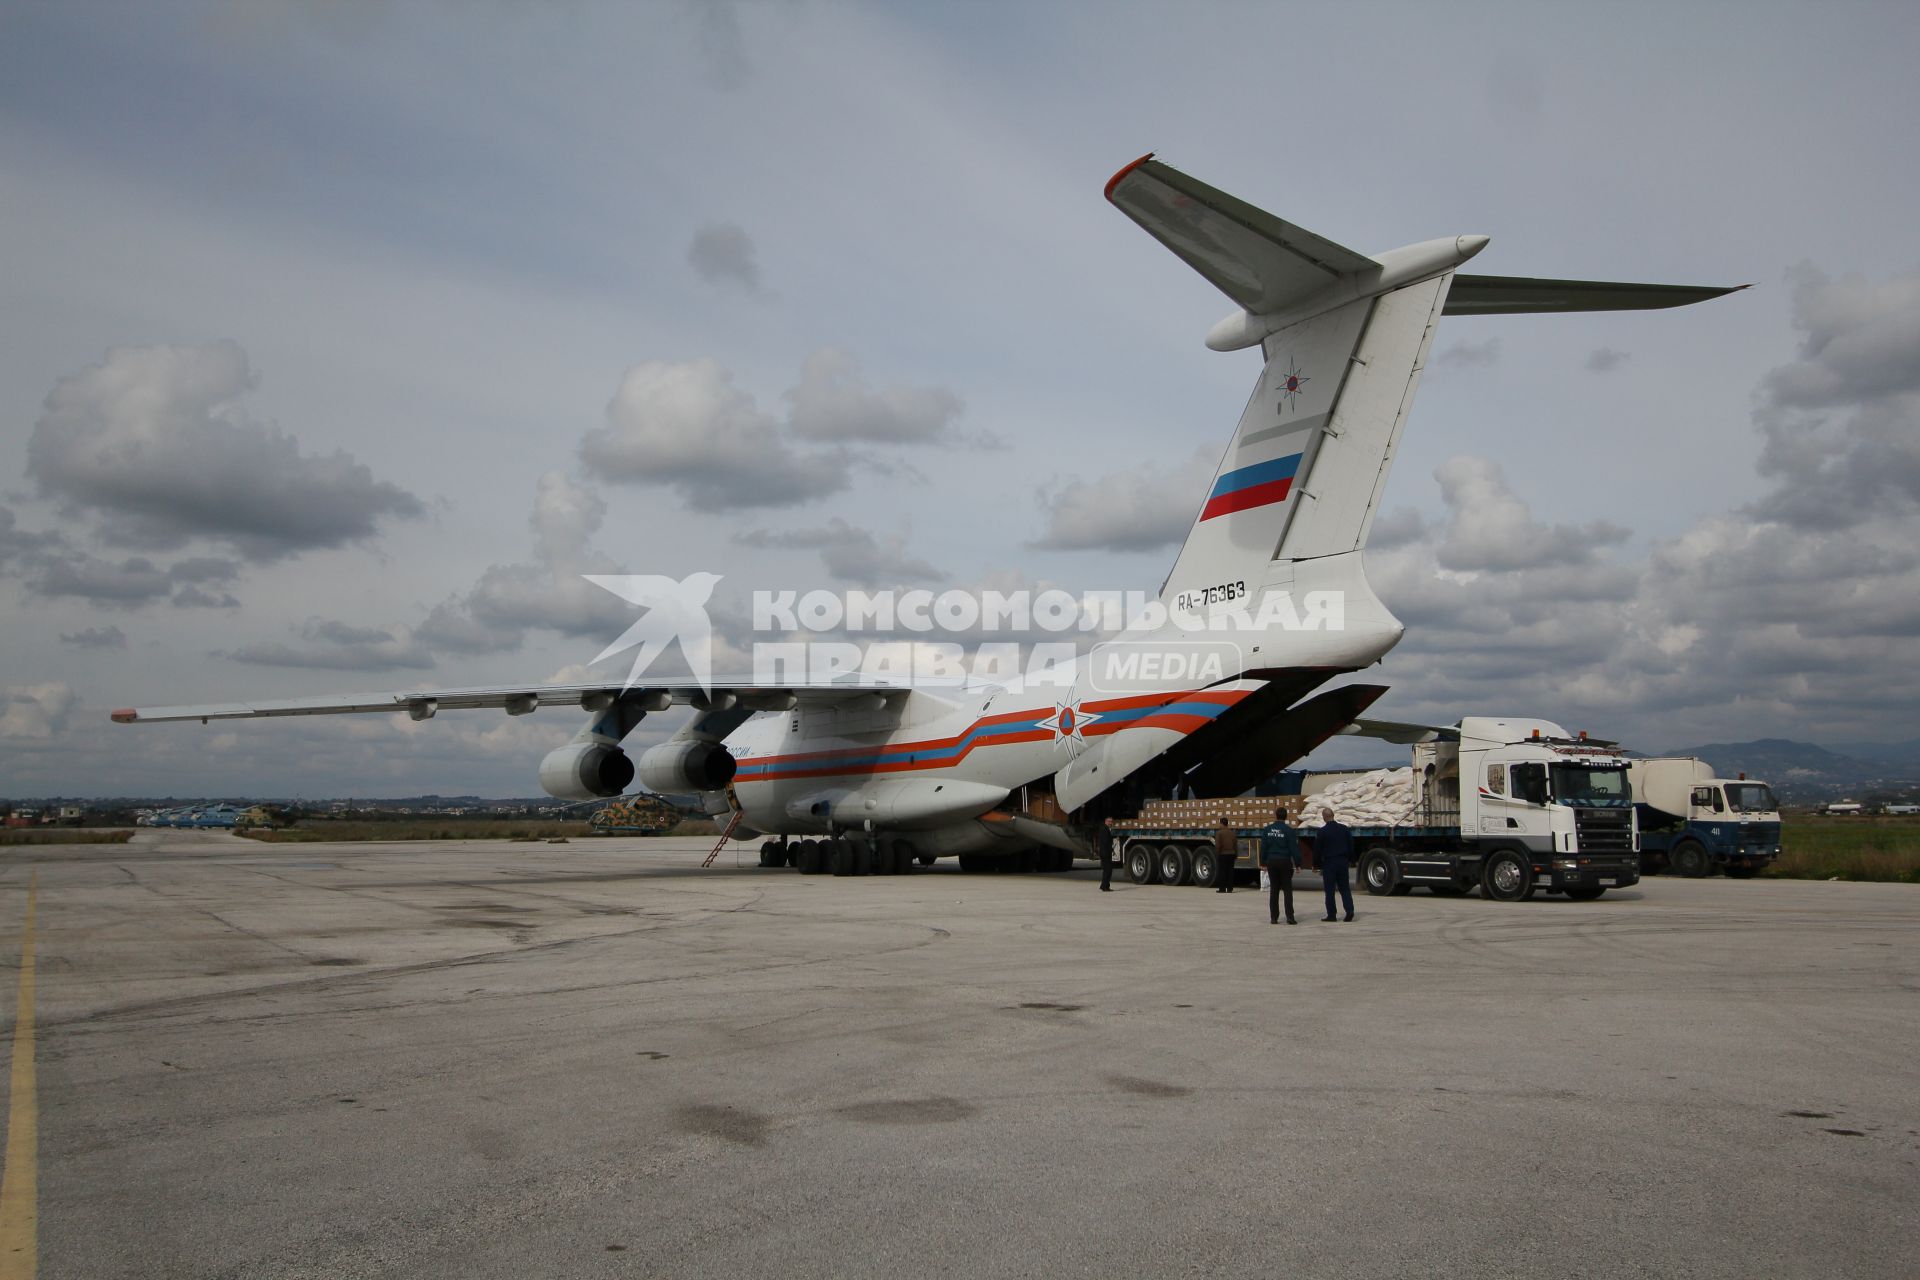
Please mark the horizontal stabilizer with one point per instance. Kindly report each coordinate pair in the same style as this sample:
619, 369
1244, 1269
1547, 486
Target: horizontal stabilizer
1518, 295
1404, 734
1262, 262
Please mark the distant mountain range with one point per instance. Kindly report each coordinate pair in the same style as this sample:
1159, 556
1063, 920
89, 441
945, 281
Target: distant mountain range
1802, 773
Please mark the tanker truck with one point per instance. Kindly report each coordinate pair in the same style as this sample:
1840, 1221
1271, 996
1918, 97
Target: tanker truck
1692, 822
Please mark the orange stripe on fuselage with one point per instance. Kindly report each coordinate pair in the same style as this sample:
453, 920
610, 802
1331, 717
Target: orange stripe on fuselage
824, 761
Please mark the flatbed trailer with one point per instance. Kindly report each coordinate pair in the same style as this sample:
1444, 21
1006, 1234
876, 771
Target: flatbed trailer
1387, 860
1509, 807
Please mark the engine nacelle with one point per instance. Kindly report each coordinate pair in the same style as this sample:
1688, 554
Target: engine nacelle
585, 771
688, 765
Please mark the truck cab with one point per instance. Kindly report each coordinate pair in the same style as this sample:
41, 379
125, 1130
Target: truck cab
1529, 787
1693, 822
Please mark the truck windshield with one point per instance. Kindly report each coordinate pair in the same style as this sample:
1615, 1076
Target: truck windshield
1579, 784
1751, 797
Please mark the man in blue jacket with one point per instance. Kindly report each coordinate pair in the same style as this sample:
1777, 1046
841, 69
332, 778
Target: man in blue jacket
1279, 854
1333, 852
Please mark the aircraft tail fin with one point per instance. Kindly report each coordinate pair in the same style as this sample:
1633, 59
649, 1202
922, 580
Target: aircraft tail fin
1345, 336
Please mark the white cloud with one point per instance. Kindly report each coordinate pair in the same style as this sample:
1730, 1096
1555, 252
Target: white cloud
1491, 528
339, 646
1841, 424
35, 712
685, 424
1143, 508
833, 402
850, 553
1466, 355
95, 638
153, 443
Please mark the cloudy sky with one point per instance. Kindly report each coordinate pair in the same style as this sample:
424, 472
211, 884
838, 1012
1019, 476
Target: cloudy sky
339, 339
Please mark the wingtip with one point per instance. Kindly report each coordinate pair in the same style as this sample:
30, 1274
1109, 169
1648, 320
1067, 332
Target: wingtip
125, 715
1114, 181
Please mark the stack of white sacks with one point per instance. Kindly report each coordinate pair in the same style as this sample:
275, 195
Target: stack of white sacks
1383, 798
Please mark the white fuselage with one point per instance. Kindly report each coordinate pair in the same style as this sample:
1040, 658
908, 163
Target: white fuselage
934, 760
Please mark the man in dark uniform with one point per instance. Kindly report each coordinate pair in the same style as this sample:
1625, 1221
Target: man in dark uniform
1226, 848
1279, 854
1333, 852
1106, 856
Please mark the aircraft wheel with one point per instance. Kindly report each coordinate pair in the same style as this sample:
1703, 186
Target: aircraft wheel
903, 857
809, 858
770, 854
865, 863
1139, 859
839, 857
926, 859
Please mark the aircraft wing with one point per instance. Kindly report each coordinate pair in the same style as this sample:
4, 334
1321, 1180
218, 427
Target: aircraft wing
1262, 262
423, 704
1516, 295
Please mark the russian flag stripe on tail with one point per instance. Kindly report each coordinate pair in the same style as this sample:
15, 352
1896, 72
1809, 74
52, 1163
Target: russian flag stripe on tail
1254, 486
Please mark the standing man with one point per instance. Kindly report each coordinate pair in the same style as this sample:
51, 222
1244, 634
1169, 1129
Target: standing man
1106, 856
1333, 851
1279, 854
1226, 848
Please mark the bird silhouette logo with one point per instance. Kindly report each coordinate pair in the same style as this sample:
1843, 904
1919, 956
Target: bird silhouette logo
676, 609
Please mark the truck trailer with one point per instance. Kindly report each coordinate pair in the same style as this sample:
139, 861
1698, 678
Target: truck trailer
1508, 806
1692, 822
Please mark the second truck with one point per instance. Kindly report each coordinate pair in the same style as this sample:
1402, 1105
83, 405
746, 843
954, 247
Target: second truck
1692, 822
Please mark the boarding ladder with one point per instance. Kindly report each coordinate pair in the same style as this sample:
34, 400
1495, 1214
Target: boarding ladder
725, 836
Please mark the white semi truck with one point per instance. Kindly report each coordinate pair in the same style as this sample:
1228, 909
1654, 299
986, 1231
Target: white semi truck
1692, 821
1507, 806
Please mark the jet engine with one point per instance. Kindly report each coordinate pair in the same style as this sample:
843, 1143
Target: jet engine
686, 765
585, 771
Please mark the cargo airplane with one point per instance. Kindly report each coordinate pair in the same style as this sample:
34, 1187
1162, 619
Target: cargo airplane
855, 774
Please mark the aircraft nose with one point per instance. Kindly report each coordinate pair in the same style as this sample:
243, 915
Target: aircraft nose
1467, 246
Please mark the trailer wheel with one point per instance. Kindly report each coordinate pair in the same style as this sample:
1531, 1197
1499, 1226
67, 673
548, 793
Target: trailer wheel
1140, 863
1690, 859
1206, 867
1584, 892
1379, 871
1507, 877
1173, 866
